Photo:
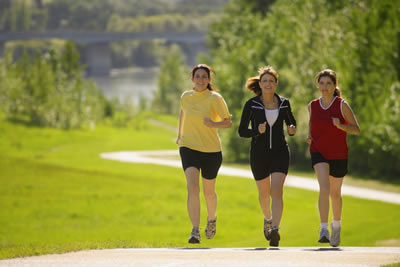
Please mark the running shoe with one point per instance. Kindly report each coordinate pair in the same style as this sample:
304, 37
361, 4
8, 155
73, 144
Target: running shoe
335, 236
211, 229
267, 228
194, 236
275, 237
323, 236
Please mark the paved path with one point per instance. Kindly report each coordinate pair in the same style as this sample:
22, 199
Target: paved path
168, 158
221, 257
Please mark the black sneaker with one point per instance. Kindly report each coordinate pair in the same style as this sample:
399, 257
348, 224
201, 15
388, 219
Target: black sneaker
275, 237
267, 228
194, 236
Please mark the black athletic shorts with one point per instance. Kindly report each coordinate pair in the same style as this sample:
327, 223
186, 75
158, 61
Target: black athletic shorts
265, 161
337, 167
207, 162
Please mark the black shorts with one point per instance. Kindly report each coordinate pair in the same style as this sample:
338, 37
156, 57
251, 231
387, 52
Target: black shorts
208, 162
264, 161
337, 167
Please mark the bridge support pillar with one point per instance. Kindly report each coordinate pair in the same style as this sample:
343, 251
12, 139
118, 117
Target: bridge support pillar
98, 59
2, 48
192, 50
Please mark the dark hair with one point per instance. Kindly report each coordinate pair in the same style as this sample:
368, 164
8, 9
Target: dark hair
332, 75
253, 83
209, 70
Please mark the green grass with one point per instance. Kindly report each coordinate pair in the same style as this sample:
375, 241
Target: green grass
58, 195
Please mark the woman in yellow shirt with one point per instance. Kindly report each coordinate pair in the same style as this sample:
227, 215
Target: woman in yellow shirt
203, 111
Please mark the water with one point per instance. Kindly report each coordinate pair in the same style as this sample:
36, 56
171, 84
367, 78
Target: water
129, 84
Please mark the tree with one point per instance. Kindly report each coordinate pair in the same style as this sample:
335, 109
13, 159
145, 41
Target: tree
173, 80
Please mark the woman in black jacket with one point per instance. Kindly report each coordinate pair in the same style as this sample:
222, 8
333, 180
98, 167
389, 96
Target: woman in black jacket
269, 153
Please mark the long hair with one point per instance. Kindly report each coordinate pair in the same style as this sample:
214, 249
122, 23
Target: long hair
332, 75
253, 82
209, 70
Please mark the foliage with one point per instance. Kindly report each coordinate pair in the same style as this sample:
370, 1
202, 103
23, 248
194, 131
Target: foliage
173, 80
49, 90
359, 39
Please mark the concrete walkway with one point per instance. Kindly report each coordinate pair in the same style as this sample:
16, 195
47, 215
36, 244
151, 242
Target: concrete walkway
169, 158
221, 257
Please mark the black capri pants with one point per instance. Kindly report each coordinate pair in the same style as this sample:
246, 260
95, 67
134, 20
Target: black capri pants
265, 161
207, 162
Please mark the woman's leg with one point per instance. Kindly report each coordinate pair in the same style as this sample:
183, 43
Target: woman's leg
322, 171
336, 196
277, 181
211, 198
193, 201
264, 188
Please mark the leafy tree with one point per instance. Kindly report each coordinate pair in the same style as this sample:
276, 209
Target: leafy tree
173, 80
49, 90
359, 39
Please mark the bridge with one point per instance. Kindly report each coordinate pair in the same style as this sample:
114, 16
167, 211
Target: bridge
97, 53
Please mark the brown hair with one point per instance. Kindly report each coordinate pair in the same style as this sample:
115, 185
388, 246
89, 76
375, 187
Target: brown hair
253, 82
209, 70
332, 75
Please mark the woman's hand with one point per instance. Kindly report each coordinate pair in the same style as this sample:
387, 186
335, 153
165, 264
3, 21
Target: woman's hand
309, 140
336, 122
178, 140
291, 129
262, 127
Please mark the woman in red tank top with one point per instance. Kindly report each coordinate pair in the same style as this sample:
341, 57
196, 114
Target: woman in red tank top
331, 118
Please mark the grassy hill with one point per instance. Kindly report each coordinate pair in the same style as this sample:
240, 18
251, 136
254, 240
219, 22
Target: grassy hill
58, 195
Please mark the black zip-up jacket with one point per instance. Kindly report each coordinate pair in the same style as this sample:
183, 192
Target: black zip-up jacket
253, 112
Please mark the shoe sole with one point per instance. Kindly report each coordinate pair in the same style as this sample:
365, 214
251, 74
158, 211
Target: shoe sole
274, 236
194, 240
323, 239
209, 237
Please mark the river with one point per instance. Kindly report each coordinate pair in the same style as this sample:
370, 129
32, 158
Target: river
129, 84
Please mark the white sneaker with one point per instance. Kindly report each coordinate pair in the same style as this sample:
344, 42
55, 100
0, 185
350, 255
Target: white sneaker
267, 229
194, 236
335, 236
323, 235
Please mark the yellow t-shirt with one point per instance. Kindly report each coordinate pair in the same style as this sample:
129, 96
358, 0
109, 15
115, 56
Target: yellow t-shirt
196, 106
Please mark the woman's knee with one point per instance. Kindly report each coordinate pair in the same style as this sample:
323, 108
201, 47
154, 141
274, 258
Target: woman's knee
193, 188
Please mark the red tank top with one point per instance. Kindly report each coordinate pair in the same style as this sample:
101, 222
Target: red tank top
327, 139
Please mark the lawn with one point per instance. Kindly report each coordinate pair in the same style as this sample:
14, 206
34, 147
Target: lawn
58, 195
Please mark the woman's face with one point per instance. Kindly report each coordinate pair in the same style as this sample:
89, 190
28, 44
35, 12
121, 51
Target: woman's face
326, 86
267, 83
200, 80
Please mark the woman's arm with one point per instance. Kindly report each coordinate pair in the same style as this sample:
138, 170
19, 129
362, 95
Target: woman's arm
352, 127
244, 130
180, 129
226, 123
290, 121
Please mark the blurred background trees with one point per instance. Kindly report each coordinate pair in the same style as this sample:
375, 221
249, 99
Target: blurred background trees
358, 39
49, 90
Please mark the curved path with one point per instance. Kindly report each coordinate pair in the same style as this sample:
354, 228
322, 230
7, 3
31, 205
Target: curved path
170, 158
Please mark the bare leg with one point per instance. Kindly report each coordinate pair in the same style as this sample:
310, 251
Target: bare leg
264, 188
277, 181
322, 171
211, 198
336, 196
193, 201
